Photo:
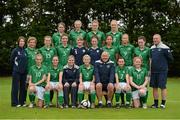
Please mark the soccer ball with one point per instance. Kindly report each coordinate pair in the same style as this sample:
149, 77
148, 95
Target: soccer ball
85, 104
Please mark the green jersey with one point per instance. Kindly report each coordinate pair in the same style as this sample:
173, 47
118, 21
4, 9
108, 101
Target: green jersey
116, 37
54, 73
101, 37
47, 54
73, 35
37, 74
63, 53
144, 54
87, 73
127, 52
56, 38
31, 53
112, 52
121, 72
138, 76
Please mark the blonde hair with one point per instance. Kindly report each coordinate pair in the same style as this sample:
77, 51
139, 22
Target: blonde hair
86, 56
47, 37
39, 55
31, 38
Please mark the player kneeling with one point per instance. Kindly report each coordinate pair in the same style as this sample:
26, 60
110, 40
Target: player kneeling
86, 81
54, 82
122, 83
37, 76
139, 81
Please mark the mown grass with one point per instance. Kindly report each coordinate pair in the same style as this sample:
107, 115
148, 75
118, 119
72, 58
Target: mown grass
172, 110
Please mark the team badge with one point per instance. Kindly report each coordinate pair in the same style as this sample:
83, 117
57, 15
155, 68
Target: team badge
97, 51
19, 53
83, 51
108, 66
159, 49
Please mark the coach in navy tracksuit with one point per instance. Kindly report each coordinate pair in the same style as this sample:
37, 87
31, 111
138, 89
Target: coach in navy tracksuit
104, 71
160, 57
19, 73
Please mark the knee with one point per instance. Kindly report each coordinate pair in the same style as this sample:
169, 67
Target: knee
98, 86
142, 92
81, 87
32, 89
110, 87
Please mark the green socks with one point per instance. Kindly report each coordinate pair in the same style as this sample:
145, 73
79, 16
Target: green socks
60, 97
47, 97
128, 97
80, 96
32, 97
93, 96
117, 95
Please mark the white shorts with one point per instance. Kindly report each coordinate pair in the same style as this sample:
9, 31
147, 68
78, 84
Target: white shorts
86, 85
136, 95
54, 85
122, 85
40, 92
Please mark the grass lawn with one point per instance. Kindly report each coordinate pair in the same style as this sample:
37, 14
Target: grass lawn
172, 110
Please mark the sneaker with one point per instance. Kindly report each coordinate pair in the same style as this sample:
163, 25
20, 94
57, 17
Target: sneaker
117, 106
109, 105
24, 105
18, 106
31, 105
127, 106
144, 106
100, 105
79, 106
162, 106
66, 106
154, 106
46, 106
123, 105
61, 106
92, 105
50, 104
73, 106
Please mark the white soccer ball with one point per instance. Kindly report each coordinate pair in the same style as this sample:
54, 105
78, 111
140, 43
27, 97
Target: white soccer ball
86, 104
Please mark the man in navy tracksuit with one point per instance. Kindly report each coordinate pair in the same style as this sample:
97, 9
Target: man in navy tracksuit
19, 73
104, 71
160, 57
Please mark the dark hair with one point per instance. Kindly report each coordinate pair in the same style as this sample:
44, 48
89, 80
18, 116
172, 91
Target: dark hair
19, 38
64, 34
142, 37
108, 36
94, 36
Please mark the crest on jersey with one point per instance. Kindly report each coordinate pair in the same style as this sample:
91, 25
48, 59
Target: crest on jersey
108, 66
19, 53
97, 51
83, 51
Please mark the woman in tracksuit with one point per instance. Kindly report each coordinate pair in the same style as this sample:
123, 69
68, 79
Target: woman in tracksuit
70, 80
19, 73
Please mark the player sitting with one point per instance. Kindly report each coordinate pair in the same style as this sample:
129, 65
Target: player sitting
86, 81
54, 82
139, 81
37, 76
122, 83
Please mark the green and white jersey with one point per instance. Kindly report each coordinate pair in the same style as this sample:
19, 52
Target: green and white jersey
127, 52
144, 54
56, 38
47, 54
112, 52
37, 74
121, 72
116, 37
73, 35
101, 37
54, 73
138, 76
87, 73
31, 54
63, 53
